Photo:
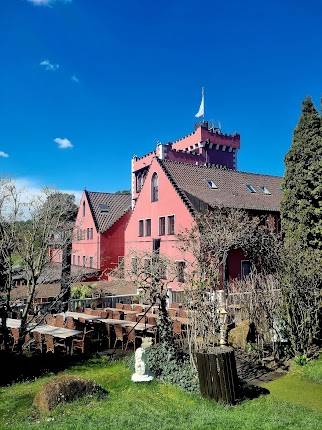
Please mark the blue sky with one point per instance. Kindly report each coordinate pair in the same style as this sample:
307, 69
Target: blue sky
108, 79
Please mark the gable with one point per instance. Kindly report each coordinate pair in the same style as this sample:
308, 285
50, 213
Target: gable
169, 203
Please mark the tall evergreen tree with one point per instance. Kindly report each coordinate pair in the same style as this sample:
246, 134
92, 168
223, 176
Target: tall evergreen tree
301, 207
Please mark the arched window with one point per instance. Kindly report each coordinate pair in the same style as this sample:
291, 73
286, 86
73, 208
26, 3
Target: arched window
154, 188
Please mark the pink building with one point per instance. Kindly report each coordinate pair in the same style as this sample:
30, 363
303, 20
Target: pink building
177, 180
98, 241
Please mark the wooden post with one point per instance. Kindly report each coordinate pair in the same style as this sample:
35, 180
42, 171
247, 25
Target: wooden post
218, 374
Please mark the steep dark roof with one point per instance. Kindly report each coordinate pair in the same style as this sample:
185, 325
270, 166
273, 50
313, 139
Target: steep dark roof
117, 203
191, 183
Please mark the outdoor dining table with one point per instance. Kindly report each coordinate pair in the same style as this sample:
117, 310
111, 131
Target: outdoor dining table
137, 326
58, 332
183, 321
16, 323
78, 315
125, 323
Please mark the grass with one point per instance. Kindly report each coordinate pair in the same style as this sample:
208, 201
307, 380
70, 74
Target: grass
162, 406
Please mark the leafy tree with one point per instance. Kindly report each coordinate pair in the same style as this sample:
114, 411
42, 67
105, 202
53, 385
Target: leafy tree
301, 207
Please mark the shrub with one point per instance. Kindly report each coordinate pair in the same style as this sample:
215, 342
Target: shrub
169, 365
65, 389
301, 360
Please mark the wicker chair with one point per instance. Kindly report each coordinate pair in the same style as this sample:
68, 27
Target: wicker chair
130, 337
50, 319
127, 307
138, 308
130, 317
59, 321
183, 313
172, 313
119, 306
119, 335
38, 341
83, 343
70, 323
49, 342
15, 334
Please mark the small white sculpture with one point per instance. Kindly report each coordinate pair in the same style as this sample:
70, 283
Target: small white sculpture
142, 373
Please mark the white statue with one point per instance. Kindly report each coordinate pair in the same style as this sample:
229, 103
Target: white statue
142, 373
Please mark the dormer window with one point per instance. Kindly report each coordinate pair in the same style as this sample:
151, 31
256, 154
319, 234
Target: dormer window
103, 207
250, 188
154, 188
211, 185
265, 190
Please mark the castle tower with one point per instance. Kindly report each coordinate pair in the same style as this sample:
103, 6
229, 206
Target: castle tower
206, 145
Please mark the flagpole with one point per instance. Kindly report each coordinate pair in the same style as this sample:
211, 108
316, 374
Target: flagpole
203, 97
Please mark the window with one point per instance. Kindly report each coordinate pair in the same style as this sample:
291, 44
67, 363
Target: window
74, 260
91, 233
91, 262
121, 266
87, 233
180, 270
141, 228
156, 246
246, 268
154, 188
83, 208
171, 224
148, 227
147, 265
162, 226
211, 184
250, 188
162, 269
78, 260
134, 265
265, 190
139, 182
84, 261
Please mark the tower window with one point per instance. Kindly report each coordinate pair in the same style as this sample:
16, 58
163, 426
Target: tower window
154, 188
83, 208
250, 188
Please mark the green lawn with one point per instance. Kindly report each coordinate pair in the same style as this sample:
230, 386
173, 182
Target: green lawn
161, 406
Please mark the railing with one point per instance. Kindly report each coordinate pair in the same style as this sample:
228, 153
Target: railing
101, 302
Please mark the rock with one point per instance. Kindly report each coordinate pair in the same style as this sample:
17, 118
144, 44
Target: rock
65, 389
237, 337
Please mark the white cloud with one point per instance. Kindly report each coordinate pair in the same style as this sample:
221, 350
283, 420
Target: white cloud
47, 2
31, 191
47, 65
3, 154
63, 143
75, 79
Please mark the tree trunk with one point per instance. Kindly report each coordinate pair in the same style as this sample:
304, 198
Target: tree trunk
66, 276
218, 375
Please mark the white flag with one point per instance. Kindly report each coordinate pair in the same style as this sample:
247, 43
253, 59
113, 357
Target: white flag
201, 111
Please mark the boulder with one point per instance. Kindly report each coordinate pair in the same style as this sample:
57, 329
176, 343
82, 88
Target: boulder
65, 389
238, 336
